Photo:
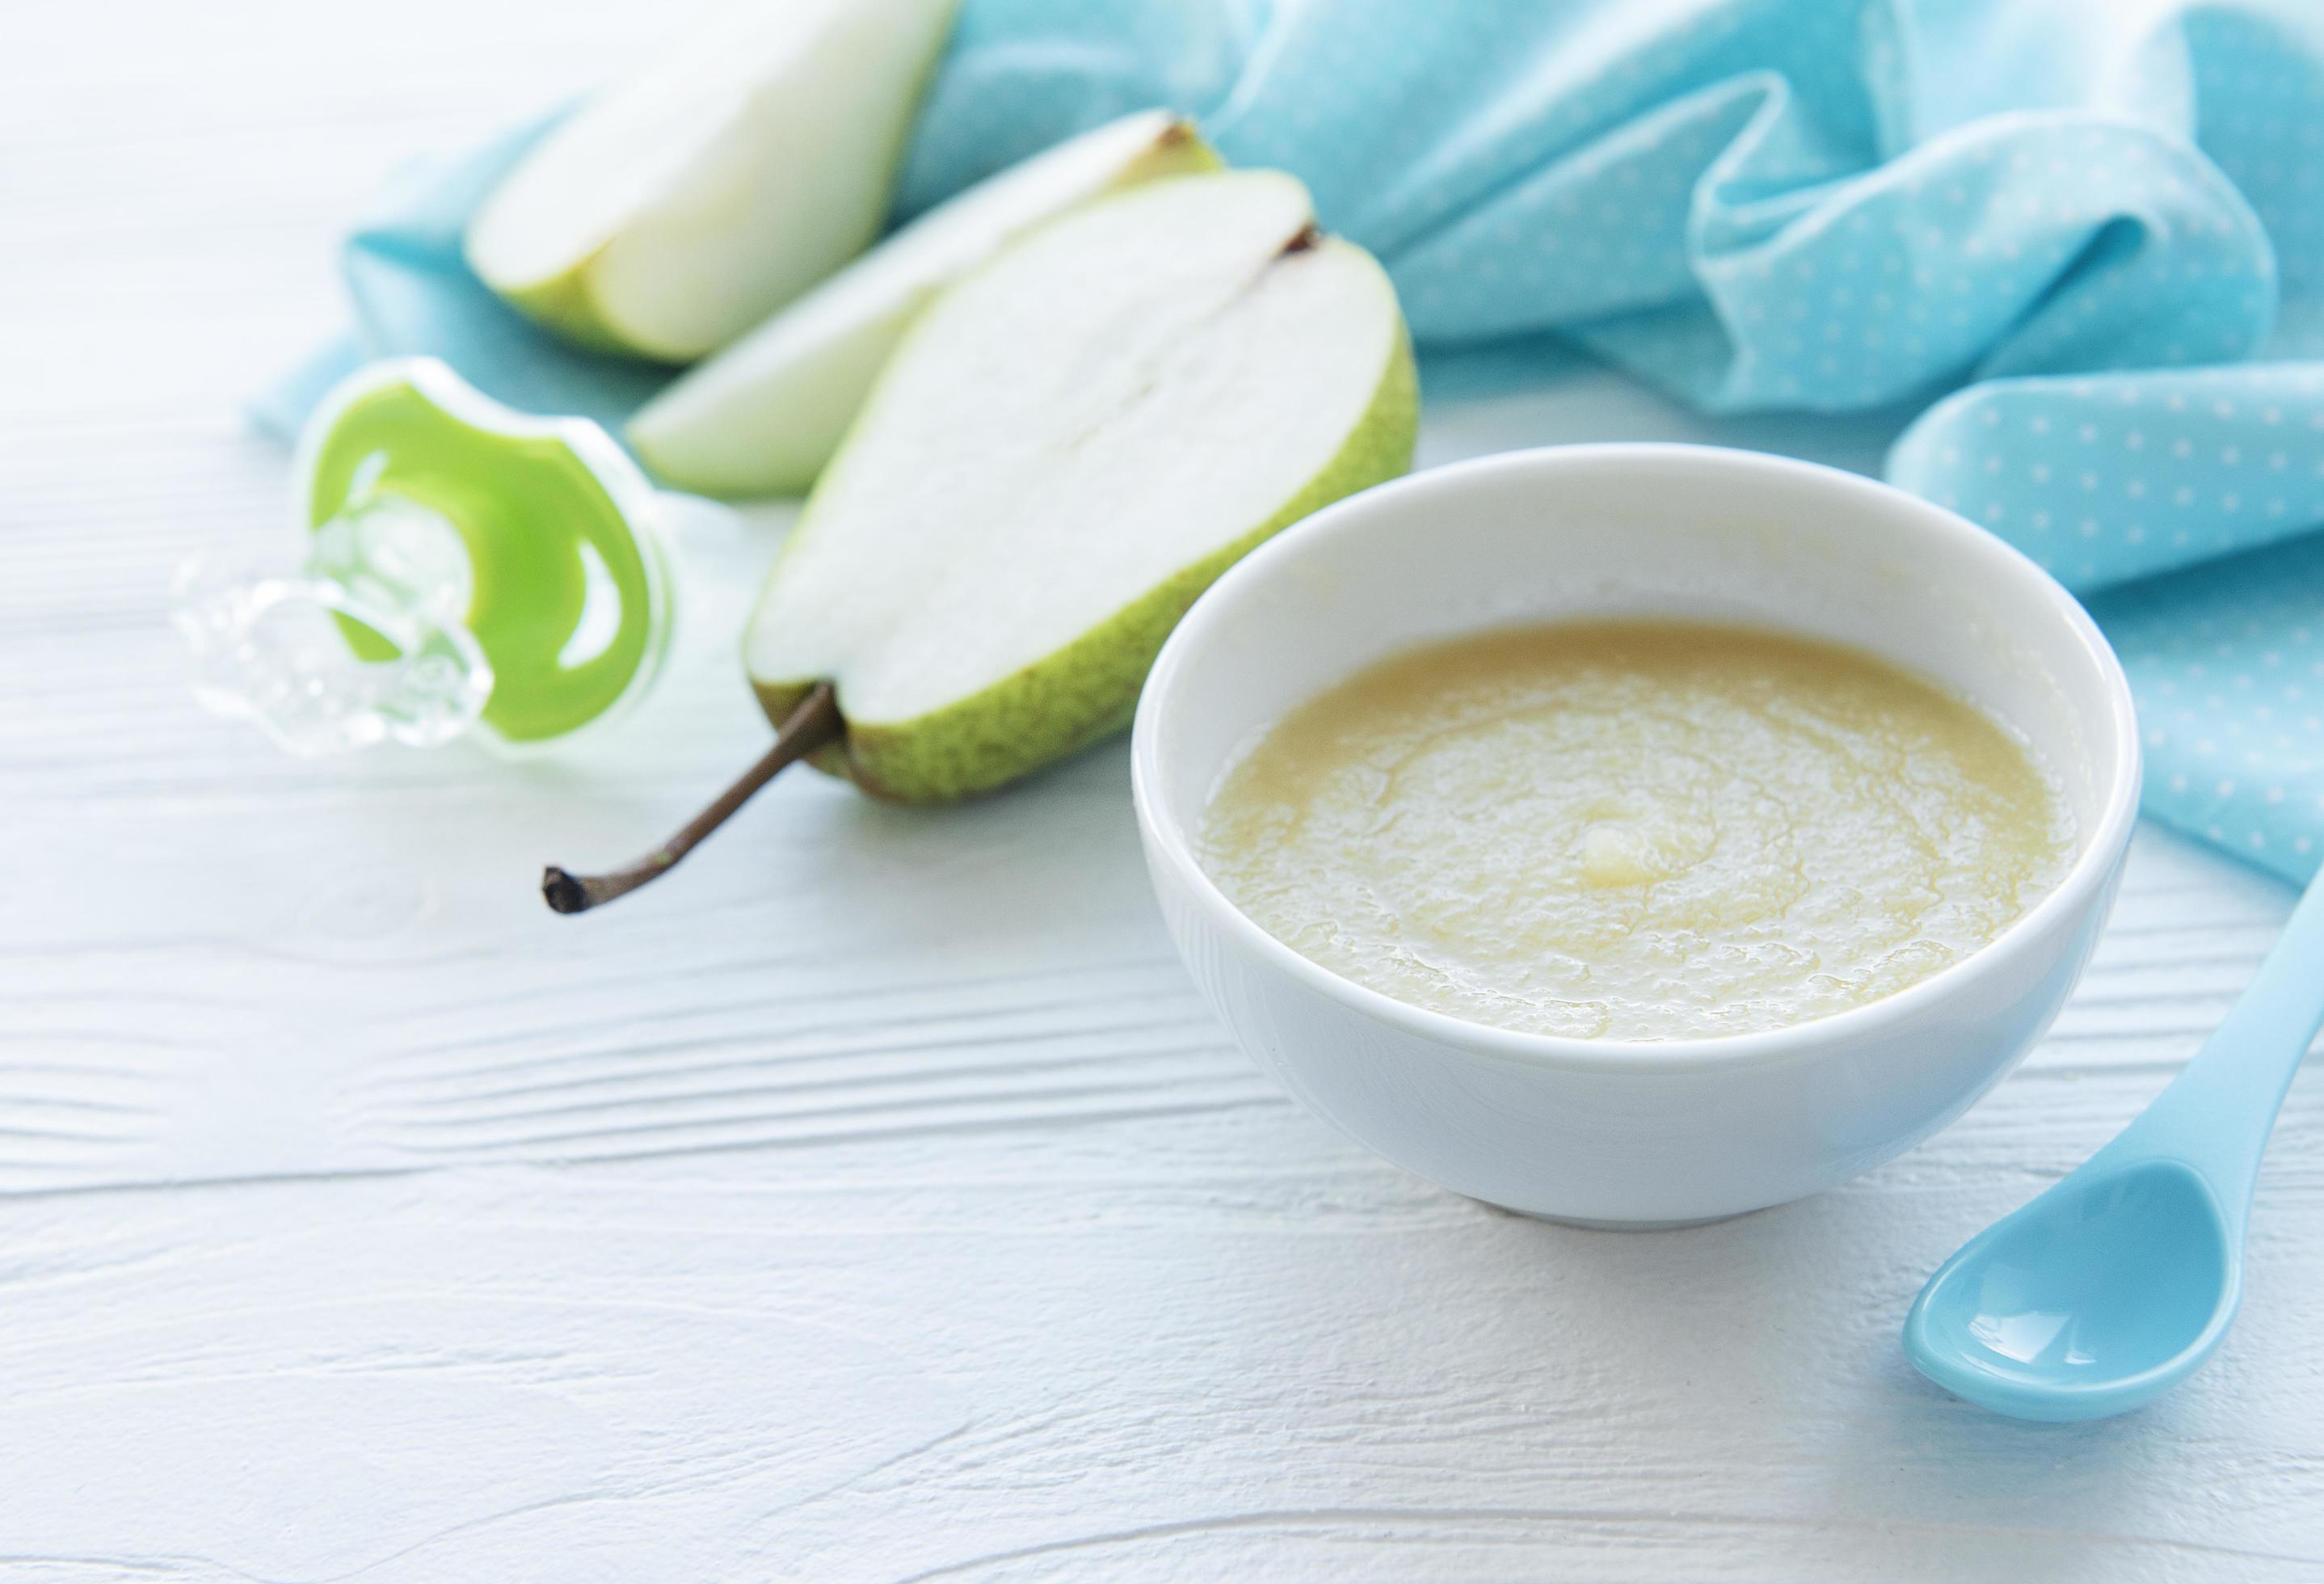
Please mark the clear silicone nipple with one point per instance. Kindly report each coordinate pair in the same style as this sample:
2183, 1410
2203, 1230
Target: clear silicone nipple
364, 645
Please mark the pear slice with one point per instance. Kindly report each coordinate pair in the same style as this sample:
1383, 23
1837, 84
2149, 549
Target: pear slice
1069, 445
763, 416
677, 210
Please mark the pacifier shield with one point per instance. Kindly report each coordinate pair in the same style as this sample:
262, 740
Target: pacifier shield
567, 586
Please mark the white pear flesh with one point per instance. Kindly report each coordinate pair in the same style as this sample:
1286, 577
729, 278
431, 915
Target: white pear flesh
676, 210
1068, 448
765, 414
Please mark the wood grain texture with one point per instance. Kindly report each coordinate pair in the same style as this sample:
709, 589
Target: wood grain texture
361, 1220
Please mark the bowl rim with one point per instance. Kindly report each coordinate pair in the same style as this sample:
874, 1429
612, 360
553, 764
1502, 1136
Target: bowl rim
2082, 887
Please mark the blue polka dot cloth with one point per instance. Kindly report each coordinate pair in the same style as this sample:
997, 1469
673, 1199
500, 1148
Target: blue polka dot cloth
2086, 236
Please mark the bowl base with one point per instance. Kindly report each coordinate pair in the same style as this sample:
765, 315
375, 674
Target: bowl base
1587, 1225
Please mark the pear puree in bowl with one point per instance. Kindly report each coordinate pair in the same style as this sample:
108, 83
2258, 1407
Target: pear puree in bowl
1635, 830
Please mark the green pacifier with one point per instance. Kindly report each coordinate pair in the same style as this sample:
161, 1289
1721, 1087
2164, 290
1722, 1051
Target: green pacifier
468, 567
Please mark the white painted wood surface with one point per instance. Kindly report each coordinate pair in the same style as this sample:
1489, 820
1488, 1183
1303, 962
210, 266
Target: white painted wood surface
359, 1220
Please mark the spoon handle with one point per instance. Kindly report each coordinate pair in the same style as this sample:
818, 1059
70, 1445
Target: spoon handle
2218, 1113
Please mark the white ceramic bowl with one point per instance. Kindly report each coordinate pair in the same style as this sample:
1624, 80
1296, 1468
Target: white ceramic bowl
1603, 1131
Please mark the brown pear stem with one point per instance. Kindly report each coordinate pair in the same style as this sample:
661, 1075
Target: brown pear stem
814, 723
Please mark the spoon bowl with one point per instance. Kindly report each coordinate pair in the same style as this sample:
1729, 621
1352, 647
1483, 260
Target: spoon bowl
2097, 1297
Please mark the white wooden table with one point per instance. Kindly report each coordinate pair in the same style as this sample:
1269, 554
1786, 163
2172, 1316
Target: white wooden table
361, 1220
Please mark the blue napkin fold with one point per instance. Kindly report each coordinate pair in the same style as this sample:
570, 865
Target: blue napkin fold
2099, 224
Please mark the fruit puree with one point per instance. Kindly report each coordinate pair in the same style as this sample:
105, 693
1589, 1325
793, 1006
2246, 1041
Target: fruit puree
1635, 830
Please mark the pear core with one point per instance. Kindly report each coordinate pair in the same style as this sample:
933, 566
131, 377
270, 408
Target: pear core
1635, 830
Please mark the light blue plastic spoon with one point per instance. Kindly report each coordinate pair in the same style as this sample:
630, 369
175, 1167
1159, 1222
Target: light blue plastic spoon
2116, 1284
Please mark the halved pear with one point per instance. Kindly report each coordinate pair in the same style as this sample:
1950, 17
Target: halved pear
764, 416
1067, 449
1069, 445
674, 211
